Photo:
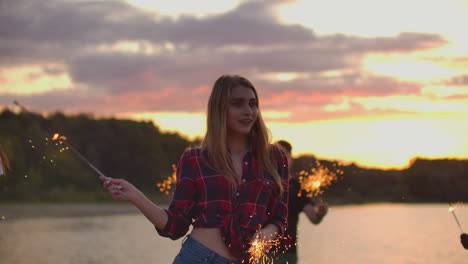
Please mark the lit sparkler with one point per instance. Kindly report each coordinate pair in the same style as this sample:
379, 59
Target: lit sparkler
314, 182
452, 210
62, 140
258, 251
168, 184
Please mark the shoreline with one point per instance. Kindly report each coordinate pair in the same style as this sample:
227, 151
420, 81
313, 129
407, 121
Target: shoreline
18, 211
36, 210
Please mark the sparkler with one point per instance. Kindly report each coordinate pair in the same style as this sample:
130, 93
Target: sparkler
257, 250
313, 182
452, 210
62, 140
166, 185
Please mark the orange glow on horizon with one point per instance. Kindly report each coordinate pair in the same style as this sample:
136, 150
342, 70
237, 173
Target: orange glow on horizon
379, 143
374, 142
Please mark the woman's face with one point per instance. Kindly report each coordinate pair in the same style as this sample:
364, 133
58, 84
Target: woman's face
242, 111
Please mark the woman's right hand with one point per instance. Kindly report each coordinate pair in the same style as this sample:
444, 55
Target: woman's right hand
120, 189
123, 190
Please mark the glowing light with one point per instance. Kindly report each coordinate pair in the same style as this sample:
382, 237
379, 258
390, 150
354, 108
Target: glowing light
452, 210
379, 142
319, 177
258, 250
167, 185
58, 137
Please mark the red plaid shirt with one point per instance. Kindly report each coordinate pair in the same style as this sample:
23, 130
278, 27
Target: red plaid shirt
204, 198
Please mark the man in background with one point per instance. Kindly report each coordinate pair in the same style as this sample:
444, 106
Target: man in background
287, 250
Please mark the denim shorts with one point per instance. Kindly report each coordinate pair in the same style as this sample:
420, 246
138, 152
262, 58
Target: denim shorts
193, 252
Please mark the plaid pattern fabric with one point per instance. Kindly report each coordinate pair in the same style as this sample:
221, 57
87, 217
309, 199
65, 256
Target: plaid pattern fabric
204, 198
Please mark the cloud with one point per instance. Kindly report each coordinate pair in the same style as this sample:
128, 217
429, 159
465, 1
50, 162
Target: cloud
119, 56
460, 80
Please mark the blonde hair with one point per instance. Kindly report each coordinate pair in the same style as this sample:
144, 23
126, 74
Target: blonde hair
215, 141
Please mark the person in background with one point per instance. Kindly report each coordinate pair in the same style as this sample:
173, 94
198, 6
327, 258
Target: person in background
233, 189
286, 252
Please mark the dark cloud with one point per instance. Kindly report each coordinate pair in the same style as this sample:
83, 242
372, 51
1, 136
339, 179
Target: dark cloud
461, 80
190, 53
352, 84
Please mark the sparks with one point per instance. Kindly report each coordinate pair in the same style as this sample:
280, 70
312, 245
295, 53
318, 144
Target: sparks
58, 137
257, 251
319, 177
264, 251
166, 186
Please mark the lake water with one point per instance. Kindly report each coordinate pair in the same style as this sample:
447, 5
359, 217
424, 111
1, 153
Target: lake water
367, 234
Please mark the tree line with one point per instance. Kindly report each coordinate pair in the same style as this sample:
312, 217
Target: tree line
44, 170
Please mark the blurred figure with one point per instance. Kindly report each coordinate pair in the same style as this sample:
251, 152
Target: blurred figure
464, 240
4, 162
287, 250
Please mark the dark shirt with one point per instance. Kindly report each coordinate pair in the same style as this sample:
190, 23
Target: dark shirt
296, 204
204, 198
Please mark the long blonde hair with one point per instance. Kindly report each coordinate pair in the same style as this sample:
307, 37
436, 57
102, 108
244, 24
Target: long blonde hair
215, 141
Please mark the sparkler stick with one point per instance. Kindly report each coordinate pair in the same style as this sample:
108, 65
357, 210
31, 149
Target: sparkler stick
452, 210
73, 149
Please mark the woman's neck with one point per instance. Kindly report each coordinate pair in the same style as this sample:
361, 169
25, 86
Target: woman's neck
237, 144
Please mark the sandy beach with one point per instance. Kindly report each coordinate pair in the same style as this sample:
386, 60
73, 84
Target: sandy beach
17, 211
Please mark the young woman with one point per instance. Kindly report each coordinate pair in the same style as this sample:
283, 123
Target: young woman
233, 189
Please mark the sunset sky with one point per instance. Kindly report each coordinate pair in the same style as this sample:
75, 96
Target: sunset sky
367, 81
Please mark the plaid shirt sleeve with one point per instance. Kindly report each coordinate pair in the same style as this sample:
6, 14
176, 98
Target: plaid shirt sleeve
179, 211
279, 206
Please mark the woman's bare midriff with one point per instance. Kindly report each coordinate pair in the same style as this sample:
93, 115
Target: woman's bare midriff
211, 238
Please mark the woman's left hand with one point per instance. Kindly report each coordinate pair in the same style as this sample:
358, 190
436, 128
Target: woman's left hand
264, 238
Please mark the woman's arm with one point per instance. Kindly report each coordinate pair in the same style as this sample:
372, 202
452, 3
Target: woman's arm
175, 221
122, 190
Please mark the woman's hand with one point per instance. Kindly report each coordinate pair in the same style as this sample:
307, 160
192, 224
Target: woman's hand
120, 189
263, 240
315, 213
